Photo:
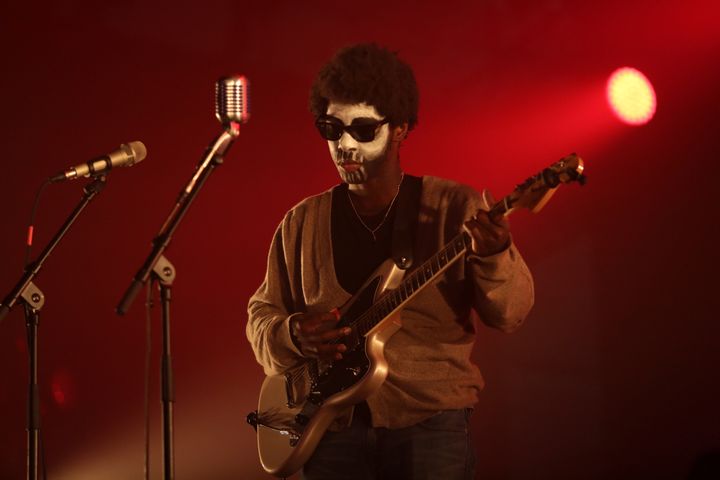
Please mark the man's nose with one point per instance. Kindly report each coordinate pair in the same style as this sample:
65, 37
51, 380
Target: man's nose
347, 142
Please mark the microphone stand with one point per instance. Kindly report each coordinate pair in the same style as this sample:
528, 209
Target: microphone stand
31, 296
164, 274
160, 269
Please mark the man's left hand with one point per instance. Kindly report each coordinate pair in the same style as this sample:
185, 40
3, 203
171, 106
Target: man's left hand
490, 234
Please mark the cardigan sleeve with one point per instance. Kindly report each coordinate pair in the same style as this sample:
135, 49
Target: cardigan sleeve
503, 289
270, 310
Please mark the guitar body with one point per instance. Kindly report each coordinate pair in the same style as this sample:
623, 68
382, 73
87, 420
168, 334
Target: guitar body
293, 415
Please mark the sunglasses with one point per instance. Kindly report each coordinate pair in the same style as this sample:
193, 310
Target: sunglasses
331, 128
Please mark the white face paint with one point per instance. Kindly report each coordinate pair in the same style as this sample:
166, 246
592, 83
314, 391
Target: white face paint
358, 161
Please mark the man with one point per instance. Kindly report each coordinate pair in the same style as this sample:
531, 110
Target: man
416, 424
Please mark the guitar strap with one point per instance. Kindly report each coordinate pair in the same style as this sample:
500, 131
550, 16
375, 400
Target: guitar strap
406, 219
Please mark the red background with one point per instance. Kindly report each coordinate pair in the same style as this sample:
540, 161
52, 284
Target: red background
614, 374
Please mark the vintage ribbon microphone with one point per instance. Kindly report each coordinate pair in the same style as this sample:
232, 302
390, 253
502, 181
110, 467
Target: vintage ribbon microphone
231, 109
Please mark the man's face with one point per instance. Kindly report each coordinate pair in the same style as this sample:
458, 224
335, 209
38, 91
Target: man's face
358, 161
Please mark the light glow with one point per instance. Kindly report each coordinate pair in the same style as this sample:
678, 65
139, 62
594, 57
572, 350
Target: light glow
61, 388
631, 96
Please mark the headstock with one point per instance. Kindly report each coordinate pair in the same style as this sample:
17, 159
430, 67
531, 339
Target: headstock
536, 191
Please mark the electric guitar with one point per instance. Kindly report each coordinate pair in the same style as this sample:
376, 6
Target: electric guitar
296, 408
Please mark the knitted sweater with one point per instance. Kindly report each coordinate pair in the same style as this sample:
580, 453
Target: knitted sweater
429, 357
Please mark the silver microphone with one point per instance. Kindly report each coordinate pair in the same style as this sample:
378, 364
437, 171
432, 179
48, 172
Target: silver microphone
231, 99
127, 155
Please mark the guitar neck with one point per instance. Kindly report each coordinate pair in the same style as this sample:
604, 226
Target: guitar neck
423, 276
503, 207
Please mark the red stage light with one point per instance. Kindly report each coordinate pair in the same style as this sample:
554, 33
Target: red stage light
61, 388
631, 96
58, 394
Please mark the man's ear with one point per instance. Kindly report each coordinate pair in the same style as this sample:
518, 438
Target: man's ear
400, 132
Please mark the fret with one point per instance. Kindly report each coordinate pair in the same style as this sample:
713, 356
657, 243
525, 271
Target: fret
396, 299
403, 291
369, 321
392, 302
421, 276
407, 288
388, 306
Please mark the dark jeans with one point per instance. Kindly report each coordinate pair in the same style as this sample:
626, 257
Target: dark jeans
437, 448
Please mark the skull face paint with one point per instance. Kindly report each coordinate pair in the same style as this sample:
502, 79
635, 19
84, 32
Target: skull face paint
358, 161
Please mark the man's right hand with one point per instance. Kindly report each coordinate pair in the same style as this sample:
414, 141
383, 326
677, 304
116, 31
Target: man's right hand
313, 331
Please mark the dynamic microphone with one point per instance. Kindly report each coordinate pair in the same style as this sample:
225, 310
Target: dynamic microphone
231, 99
127, 155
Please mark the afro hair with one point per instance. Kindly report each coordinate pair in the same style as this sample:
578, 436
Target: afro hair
371, 74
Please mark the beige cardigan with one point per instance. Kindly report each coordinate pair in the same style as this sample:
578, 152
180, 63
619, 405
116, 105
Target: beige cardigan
429, 358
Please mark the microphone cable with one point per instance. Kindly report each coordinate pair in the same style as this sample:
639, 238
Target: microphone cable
31, 224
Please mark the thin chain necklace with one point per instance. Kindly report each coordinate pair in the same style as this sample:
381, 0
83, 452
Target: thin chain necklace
387, 212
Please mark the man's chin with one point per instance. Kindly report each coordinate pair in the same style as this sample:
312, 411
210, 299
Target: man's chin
355, 177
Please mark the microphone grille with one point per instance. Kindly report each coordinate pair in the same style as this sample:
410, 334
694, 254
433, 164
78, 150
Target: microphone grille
136, 150
231, 99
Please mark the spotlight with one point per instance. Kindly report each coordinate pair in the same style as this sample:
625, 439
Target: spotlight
631, 96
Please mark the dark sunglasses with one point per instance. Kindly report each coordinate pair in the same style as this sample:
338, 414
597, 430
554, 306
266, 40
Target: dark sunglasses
332, 129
